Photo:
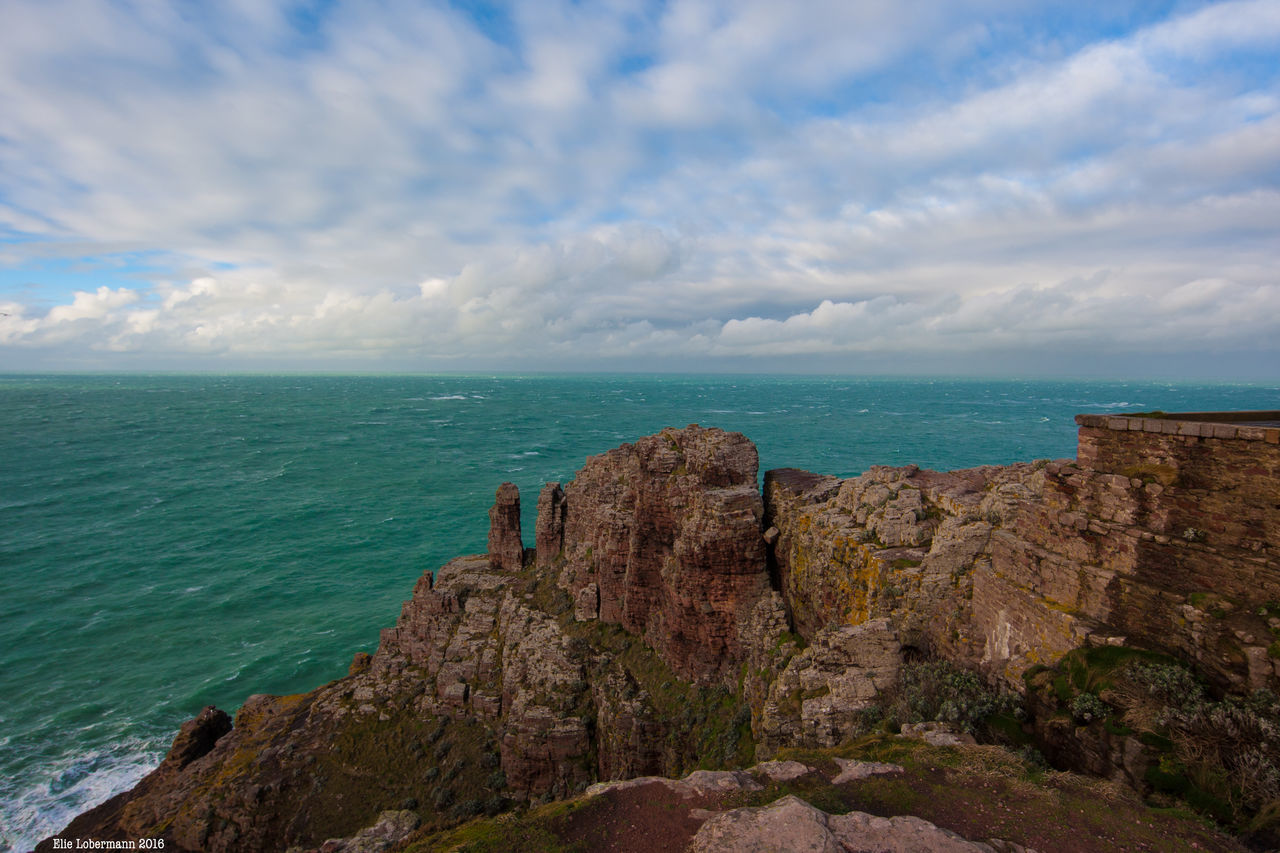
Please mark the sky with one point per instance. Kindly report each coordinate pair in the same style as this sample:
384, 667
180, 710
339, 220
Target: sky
909, 186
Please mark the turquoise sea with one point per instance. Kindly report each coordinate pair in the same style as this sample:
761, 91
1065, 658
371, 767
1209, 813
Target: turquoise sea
168, 542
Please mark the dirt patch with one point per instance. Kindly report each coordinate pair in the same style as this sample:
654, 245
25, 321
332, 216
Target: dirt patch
634, 820
1058, 812
980, 792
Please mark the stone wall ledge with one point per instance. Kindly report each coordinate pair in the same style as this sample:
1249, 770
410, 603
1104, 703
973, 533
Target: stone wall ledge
1220, 425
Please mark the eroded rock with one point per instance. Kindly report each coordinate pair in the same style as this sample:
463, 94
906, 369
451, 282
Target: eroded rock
506, 550
817, 699
668, 530
792, 824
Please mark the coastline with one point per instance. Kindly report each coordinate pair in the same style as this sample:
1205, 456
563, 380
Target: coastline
846, 428
979, 522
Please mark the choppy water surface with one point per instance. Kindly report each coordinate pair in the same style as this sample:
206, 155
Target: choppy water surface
171, 542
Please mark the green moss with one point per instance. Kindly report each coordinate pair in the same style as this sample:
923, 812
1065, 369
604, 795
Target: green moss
709, 726
381, 763
1093, 669
531, 831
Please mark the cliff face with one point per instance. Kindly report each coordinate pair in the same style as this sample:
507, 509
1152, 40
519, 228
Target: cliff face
668, 618
609, 657
663, 537
1158, 539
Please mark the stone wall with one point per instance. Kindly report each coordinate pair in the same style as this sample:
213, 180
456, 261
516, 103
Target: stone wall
1164, 533
500, 675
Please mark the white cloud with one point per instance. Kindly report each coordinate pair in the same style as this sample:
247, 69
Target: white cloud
707, 179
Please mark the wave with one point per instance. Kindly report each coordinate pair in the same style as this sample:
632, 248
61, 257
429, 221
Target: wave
75, 783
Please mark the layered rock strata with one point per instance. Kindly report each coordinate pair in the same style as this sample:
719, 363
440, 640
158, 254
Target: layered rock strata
663, 537
488, 690
506, 550
792, 824
670, 617
1157, 536
816, 699
549, 533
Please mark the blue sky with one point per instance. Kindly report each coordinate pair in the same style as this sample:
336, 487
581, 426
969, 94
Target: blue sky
962, 187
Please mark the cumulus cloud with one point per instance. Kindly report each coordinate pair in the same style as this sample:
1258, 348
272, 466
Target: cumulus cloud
696, 181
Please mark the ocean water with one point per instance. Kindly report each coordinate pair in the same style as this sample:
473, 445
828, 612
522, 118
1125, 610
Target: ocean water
168, 542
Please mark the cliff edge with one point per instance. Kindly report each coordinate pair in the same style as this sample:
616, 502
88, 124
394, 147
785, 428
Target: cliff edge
671, 618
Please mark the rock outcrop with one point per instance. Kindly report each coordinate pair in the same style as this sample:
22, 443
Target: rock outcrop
792, 824
501, 681
901, 544
506, 551
663, 537
391, 828
669, 618
815, 701
1157, 536
549, 533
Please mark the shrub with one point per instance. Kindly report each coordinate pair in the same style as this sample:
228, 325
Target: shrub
1230, 748
1222, 757
1169, 684
1033, 758
1087, 707
940, 691
467, 808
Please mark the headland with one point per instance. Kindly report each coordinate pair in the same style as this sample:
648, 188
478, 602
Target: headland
672, 620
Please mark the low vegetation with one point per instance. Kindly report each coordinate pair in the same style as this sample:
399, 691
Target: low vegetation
1219, 756
980, 792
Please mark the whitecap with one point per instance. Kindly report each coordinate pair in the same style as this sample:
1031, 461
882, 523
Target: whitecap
451, 397
70, 784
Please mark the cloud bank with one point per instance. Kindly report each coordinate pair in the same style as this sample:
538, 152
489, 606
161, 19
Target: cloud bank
681, 185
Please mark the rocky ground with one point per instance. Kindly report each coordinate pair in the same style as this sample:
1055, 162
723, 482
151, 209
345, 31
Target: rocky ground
898, 795
671, 619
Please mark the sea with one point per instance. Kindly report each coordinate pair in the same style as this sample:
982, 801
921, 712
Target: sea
169, 542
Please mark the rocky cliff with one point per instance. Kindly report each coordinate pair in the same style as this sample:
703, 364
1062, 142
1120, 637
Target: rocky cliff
1162, 534
670, 618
